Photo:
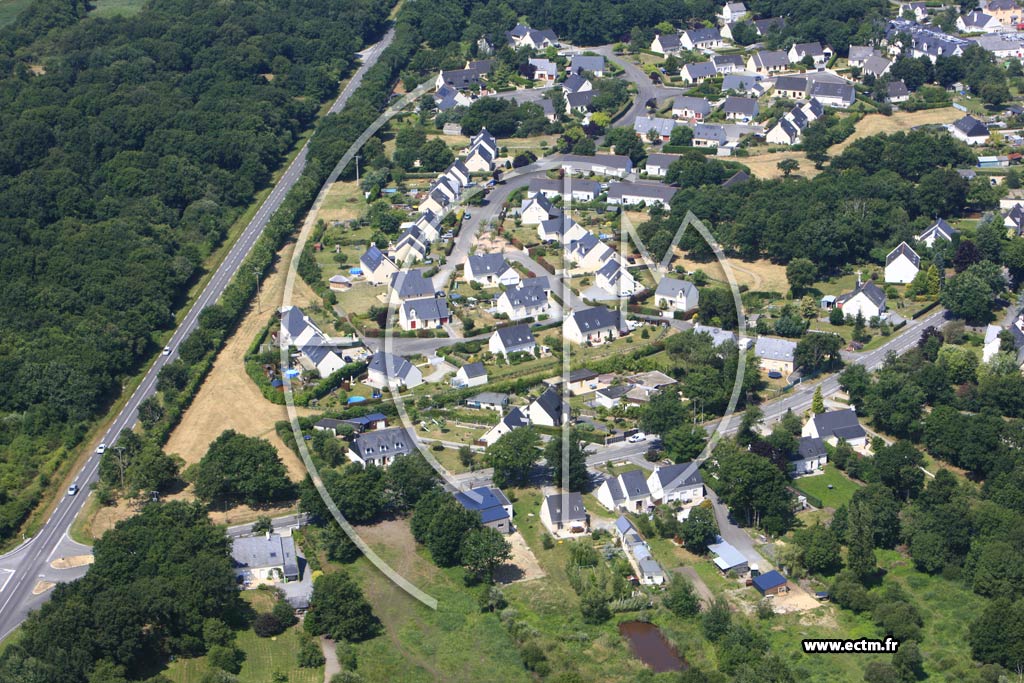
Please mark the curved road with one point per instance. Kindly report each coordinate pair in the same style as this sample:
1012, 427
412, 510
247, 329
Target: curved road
22, 568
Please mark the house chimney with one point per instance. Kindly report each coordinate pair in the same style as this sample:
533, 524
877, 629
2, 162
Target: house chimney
858, 278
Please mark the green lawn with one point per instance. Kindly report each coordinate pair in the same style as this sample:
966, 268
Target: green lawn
114, 8
263, 656
842, 489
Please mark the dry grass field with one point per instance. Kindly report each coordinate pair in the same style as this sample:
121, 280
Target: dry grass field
873, 124
766, 166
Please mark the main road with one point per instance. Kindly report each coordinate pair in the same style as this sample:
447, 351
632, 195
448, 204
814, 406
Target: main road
23, 568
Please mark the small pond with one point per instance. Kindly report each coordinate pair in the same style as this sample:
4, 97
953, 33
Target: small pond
650, 646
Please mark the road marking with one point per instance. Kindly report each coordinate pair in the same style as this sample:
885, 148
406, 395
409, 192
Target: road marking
10, 575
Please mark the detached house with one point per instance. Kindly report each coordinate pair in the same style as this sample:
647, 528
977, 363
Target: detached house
470, 375
680, 483
970, 130
588, 254
592, 325
775, 355
648, 194
741, 108
561, 229
538, 209
838, 95
410, 284
563, 514
524, 36
860, 53
381, 447
545, 70
576, 83
1006, 12
733, 12
628, 491
902, 264
515, 419
701, 39
768, 62
811, 455
549, 410
491, 504
939, 230
867, 299
421, 314
709, 135
978, 22
657, 164
666, 45
388, 370
509, 340
377, 268
615, 279
697, 72
835, 426
676, 295
592, 64
481, 153
691, 108
813, 50
524, 301
726, 64
490, 270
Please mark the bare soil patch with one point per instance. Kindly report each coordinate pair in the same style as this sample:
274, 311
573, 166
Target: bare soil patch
766, 166
873, 124
523, 566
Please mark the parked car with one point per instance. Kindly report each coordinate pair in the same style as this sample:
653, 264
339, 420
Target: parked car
637, 438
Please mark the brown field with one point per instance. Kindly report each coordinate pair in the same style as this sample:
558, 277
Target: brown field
873, 124
761, 275
765, 166
228, 399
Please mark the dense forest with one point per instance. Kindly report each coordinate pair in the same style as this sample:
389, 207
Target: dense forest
131, 146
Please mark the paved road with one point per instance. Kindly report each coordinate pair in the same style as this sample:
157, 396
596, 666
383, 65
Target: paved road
30, 561
645, 89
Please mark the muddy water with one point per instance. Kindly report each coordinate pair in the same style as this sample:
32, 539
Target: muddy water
650, 647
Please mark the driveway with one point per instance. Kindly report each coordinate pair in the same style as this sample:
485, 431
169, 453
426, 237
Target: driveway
733, 534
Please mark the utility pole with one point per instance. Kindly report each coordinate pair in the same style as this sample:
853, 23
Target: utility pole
259, 304
120, 462
357, 169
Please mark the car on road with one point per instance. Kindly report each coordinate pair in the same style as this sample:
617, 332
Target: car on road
167, 350
467, 215
101, 449
637, 438
73, 489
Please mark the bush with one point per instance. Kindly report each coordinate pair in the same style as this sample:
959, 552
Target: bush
310, 656
547, 541
284, 613
226, 658
266, 625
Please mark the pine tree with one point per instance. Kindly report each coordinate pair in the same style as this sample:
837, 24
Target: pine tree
860, 547
818, 402
858, 327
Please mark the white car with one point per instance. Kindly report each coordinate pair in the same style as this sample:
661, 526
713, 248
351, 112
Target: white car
637, 438
73, 489
167, 350
101, 449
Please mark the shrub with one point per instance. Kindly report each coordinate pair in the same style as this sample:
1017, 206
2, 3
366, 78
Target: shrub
310, 655
226, 658
266, 625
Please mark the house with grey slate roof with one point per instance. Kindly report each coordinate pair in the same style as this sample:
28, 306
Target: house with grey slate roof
628, 491
267, 558
835, 426
514, 339
776, 355
564, 515
381, 447
681, 483
676, 295
592, 325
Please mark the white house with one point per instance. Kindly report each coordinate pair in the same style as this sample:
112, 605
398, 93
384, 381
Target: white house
592, 325
741, 108
315, 349
647, 194
588, 254
376, 267
564, 515
615, 279
264, 558
697, 72
490, 270
524, 36
902, 264
701, 39
470, 375
860, 53
692, 108
538, 209
970, 130
611, 396
978, 22
810, 456
939, 230
381, 447
562, 229
676, 295
410, 284
680, 483
514, 419
592, 64
835, 426
479, 159
657, 164
628, 491
548, 410
509, 340
421, 314
388, 370
493, 506
523, 301
838, 95
617, 165
768, 62
545, 70
666, 45
867, 299
733, 12
576, 83
813, 50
